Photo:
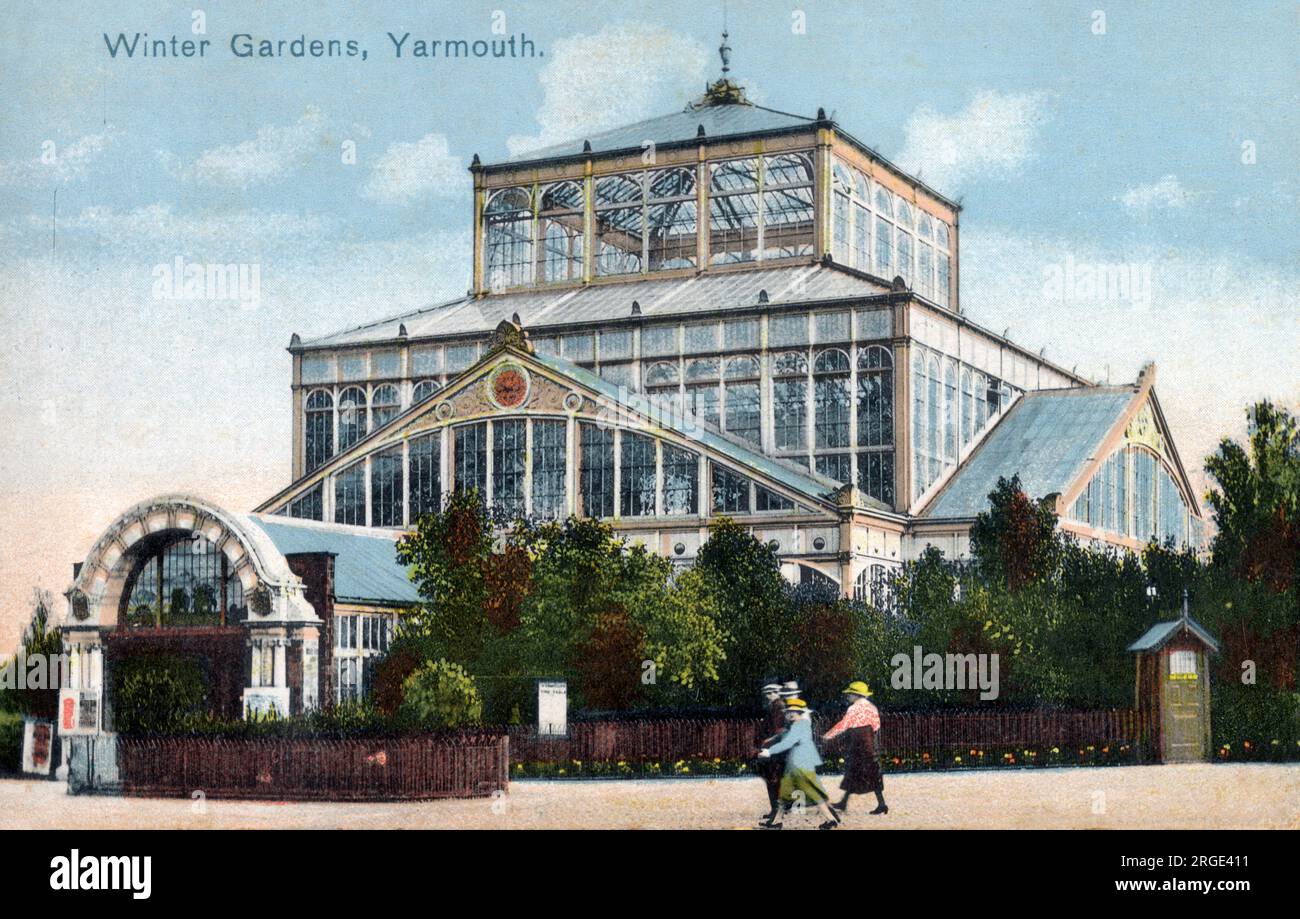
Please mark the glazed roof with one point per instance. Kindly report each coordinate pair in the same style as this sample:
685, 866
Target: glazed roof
1047, 438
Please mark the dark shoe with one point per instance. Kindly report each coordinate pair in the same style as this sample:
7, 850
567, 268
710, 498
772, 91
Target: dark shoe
882, 809
829, 825
841, 808
769, 826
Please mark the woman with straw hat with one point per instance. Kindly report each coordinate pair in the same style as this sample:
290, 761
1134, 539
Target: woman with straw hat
799, 782
861, 770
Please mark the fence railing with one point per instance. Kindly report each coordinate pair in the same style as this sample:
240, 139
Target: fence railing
353, 769
903, 734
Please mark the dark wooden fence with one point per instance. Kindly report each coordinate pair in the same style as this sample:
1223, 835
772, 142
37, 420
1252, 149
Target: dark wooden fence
354, 769
902, 734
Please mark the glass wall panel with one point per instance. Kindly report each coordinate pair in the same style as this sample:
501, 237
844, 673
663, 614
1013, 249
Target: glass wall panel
596, 470
424, 456
509, 448
350, 495
637, 476
471, 450
386, 488
549, 456
681, 481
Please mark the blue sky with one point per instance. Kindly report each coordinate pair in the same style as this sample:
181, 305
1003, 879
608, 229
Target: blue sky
1061, 143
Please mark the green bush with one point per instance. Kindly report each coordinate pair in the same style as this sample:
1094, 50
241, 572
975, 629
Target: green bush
11, 741
441, 694
157, 694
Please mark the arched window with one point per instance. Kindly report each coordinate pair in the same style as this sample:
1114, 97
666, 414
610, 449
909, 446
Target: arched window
925, 255
638, 475
181, 580
884, 234
319, 428
385, 404
743, 412
424, 390
831, 372
942, 263
903, 246
843, 187
560, 229
662, 386
508, 238
620, 225
790, 400
875, 397
672, 219
353, 417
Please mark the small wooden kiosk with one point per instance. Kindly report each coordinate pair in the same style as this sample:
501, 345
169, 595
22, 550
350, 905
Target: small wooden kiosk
1173, 689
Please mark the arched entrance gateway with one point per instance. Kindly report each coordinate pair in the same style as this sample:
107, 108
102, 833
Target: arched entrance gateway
176, 577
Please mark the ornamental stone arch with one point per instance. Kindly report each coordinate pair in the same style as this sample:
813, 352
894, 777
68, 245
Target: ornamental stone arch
96, 595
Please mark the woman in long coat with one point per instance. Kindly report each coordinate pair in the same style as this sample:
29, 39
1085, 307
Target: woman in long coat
799, 780
860, 724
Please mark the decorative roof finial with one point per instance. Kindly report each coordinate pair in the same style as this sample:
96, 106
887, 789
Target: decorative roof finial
724, 51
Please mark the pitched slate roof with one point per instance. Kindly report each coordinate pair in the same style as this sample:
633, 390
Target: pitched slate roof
1155, 637
366, 569
539, 309
719, 121
1047, 438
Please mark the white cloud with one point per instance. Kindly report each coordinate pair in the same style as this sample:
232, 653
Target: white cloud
409, 171
621, 74
57, 163
273, 154
994, 135
1167, 193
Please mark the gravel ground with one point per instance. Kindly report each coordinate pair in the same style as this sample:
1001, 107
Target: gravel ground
1129, 797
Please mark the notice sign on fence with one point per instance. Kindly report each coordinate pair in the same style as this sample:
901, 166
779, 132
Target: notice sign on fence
552, 708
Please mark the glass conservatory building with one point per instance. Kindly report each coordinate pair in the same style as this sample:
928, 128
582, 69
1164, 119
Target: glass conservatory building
727, 310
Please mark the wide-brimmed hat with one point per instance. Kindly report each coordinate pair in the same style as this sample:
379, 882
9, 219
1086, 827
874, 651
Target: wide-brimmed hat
771, 687
789, 689
858, 688
796, 705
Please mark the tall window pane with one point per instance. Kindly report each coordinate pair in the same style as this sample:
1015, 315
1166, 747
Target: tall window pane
307, 506
876, 475
424, 455
730, 491
350, 495
733, 212
681, 481
352, 416
637, 478
549, 441
596, 471
386, 488
672, 220
508, 238
319, 428
560, 231
508, 450
471, 458
384, 405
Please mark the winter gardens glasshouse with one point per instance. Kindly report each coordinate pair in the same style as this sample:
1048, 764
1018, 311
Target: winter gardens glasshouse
757, 316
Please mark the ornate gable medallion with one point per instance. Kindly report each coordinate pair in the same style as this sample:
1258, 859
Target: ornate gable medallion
508, 386
1143, 430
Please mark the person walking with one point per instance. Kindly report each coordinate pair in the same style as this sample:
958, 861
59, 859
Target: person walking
860, 724
771, 767
799, 782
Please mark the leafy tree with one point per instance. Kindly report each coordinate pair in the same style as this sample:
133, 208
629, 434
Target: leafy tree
745, 579
1015, 541
1257, 502
441, 694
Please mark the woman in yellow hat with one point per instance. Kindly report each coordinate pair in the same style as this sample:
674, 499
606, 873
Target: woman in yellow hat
861, 770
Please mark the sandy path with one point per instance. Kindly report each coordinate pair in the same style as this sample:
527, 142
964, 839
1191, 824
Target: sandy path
1131, 797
